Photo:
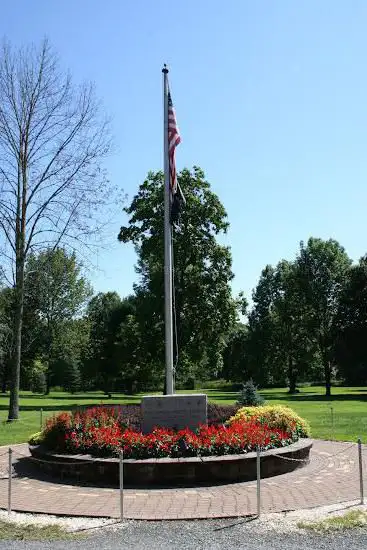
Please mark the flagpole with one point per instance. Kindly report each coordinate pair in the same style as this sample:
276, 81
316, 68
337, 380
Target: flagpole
168, 320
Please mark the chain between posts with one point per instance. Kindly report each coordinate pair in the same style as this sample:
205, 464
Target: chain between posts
58, 462
10, 476
258, 481
308, 459
76, 462
360, 464
121, 472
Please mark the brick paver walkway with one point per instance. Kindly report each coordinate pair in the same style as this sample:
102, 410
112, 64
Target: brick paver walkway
331, 477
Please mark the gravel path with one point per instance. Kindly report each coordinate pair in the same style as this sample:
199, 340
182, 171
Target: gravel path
195, 535
270, 532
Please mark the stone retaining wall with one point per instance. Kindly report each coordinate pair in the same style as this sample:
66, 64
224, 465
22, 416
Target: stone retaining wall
173, 471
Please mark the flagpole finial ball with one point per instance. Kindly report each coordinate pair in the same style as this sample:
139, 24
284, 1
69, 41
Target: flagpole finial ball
165, 69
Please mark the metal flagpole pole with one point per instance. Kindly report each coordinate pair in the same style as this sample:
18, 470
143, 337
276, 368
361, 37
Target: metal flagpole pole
167, 247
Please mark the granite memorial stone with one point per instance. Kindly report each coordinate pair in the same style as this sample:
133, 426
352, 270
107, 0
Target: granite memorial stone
177, 411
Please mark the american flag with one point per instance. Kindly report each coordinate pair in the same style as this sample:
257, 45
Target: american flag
173, 140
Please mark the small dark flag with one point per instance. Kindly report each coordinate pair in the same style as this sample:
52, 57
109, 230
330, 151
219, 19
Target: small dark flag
174, 138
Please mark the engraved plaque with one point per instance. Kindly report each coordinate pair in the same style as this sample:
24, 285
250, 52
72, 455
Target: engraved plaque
177, 411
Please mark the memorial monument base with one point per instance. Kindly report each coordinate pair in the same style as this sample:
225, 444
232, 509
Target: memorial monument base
176, 411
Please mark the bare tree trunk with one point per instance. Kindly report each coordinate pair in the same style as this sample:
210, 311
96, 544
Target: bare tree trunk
20, 237
292, 376
48, 380
18, 322
52, 185
49, 368
4, 381
327, 370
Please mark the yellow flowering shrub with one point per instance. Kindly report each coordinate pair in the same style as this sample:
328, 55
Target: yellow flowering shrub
36, 439
275, 416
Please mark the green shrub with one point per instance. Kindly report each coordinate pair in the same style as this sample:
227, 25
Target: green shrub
36, 439
249, 395
274, 416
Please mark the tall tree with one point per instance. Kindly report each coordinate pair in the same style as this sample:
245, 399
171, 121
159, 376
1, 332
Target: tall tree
52, 139
57, 293
261, 337
295, 343
106, 314
351, 326
135, 371
324, 267
235, 360
204, 307
280, 344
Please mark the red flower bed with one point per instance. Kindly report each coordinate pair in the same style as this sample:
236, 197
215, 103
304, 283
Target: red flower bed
102, 431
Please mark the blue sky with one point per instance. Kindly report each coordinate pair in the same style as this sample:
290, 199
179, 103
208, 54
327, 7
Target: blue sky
270, 97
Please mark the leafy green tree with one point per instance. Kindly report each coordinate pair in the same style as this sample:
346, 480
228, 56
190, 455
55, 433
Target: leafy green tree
30, 344
262, 349
351, 326
109, 317
136, 371
235, 358
57, 293
6, 335
296, 346
281, 347
205, 309
70, 346
324, 268
72, 382
37, 377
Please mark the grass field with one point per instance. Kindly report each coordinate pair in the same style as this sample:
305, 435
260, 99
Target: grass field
347, 406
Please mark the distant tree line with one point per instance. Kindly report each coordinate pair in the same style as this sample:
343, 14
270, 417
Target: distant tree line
82, 342
307, 320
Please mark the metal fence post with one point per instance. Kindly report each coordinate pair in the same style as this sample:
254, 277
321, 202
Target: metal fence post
10, 467
258, 476
121, 486
41, 419
332, 423
360, 470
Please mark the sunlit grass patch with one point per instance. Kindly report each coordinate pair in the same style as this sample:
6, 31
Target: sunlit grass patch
350, 520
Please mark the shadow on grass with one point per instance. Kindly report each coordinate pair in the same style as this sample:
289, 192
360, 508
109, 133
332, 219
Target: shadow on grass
78, 397
55, 407
223, 396
313, 397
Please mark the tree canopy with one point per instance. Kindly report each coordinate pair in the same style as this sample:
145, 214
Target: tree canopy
205, 310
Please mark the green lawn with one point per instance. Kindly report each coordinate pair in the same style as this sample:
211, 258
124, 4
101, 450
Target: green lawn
349, 407
10, 530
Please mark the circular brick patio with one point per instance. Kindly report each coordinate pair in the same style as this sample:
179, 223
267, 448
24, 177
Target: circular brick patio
330, 477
